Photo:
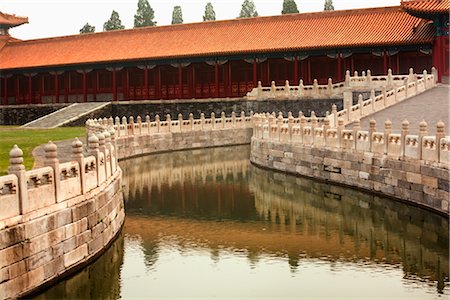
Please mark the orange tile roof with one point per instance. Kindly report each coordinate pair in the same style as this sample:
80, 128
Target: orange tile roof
427, 6
293, 32
12, 20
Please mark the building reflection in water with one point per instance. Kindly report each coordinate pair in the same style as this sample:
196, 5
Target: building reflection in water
191, 203
301, 218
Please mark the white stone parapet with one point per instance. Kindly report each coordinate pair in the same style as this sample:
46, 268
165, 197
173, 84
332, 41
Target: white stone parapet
70, 211
432, 149
363, 82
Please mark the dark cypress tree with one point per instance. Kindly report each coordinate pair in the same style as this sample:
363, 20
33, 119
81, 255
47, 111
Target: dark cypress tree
144, 15
328, 5
210, 14
177, 15
87, 28
248, 9
289, 7
114, 23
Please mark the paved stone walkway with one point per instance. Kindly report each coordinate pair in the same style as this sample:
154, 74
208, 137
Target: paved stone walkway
431, 106
64, 152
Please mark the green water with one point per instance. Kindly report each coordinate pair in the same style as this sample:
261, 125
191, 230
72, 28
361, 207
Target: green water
207, 224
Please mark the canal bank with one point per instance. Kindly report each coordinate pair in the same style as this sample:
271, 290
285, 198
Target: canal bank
212, 224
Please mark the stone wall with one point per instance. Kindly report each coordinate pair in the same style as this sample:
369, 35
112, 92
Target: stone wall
135, 138
413, 168
22, 114
58, 218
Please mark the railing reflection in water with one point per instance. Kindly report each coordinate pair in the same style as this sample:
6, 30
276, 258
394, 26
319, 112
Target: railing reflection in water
303, 218
213, 201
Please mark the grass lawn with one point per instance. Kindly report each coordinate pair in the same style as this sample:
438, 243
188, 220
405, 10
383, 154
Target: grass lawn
28, 139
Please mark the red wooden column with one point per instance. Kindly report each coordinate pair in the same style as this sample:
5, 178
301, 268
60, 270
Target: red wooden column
158, 81
385, 62
216, 79
254, 73
339, 67
56, 88
193, 82
180, 81
94, 85
41, 88
66, 86
269, 80
146, 82
17, 89
30, 89
295, 70
114, 84
230, 81
126, 85
84, 86
5, 90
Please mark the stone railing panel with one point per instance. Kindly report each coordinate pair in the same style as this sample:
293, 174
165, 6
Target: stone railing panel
90, 168
70, 180
348, 139
41, 189
394, 145
378, 143
362, 141
9, 197
412, 146
429, 148
444, 150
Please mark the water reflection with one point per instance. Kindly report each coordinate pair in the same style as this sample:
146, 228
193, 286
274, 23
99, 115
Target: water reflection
215, 200
206, 223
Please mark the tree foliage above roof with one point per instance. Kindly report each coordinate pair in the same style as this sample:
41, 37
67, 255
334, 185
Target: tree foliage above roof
144, 15
114, 23
248, 9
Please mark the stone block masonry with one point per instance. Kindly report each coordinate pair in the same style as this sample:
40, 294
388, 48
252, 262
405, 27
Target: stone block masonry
412, 168
56, 219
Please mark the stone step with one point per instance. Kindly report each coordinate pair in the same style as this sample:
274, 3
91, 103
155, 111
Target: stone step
66, 115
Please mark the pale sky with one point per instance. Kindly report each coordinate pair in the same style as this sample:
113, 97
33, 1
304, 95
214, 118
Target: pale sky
51, 18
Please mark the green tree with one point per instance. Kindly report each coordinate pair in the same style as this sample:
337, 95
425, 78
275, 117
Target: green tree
328, 5
177, 15
87, 28
144, 15
289, 7
113, 23
210, 14
248, 9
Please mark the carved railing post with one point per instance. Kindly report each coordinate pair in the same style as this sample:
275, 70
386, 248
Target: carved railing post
191, 121
301, 88
77, 155
202, 120
131, 122
114, 150
372, 129
404, 133
423, 131
222, 116
169, 122
17, 168
213, 120
158, 123
180, 121
259, 94
440, 134
93, 146
51, 160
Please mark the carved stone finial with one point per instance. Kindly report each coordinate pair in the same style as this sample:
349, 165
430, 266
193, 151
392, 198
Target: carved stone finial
101, 139
93, 142
16, 159
50, 151
440, 127
405, 124
423, 127
388, 124
77, 147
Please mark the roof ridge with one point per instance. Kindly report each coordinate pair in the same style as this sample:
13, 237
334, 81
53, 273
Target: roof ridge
305, 15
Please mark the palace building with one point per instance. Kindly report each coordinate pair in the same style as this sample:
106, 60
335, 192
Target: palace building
218, 59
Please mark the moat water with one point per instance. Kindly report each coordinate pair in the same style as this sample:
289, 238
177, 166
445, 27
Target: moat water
208, 224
